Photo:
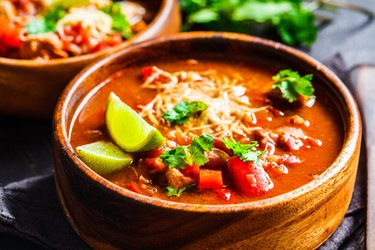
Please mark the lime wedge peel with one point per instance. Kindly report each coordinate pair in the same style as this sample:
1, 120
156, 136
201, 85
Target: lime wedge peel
128, 129
103, 157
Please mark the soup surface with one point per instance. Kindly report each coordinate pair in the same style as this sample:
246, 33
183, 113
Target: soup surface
297, 142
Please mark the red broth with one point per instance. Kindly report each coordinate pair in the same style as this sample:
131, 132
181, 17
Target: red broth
325, 125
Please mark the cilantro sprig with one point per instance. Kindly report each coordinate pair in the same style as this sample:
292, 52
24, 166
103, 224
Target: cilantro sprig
47, 23
246, 152
172, 191
183, 111
288, 18
291, 85
119, 21
189, 155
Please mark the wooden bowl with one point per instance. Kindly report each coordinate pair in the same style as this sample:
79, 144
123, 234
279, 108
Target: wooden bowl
107, 216
31, 88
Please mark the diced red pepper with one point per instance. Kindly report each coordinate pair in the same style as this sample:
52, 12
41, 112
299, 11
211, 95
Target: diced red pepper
225, 194
9, 34
191, 171
210, 179
155, 165
132, 186
248, 178
147, 71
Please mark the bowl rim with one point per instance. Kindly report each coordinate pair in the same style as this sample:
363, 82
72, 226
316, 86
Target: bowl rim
166, 6
349, 144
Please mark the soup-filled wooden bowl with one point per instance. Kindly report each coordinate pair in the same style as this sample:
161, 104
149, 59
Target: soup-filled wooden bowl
290, 190
31, 87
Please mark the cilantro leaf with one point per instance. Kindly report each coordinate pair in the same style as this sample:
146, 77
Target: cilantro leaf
297, 27
46, 23
246, 152
291, 84
200, 145
177, 158
204, 16
171, 191
203, 142
119, 21
288, 18
183, 111
265, 10
189, 155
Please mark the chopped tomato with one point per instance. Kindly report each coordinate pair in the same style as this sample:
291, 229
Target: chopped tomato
210, 179
147, 72
9, 34
249, 178
191, 171
225, 194
155, 165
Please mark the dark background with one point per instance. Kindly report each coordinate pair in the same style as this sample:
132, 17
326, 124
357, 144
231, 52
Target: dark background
25, 144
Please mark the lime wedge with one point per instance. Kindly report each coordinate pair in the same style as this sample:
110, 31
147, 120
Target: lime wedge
103, 157
128, 129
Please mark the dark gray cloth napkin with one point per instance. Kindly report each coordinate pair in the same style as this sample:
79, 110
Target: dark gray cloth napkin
29, 208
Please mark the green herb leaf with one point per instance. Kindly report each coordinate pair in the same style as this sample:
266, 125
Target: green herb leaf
294, 24
119, 21
171, 191
183, 111
200, 145
261, 11
177, 158
297, 27
46, 23
203, 16
246, 152
189, 155
291, 84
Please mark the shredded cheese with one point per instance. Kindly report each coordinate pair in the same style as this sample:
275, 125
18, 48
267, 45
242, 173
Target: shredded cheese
229, 109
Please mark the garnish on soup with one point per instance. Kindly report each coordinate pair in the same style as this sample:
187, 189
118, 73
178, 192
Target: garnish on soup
292, 85
200, 136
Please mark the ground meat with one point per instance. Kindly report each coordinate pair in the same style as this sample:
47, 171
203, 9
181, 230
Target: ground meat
264, 136
293, 139
298, 121
278, 164
289, 142
177, 179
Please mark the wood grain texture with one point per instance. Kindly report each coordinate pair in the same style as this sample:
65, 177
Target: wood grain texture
30, 88
108, 216
363, 85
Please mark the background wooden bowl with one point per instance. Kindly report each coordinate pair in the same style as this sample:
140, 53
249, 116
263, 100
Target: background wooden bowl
108, 216
31, 88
